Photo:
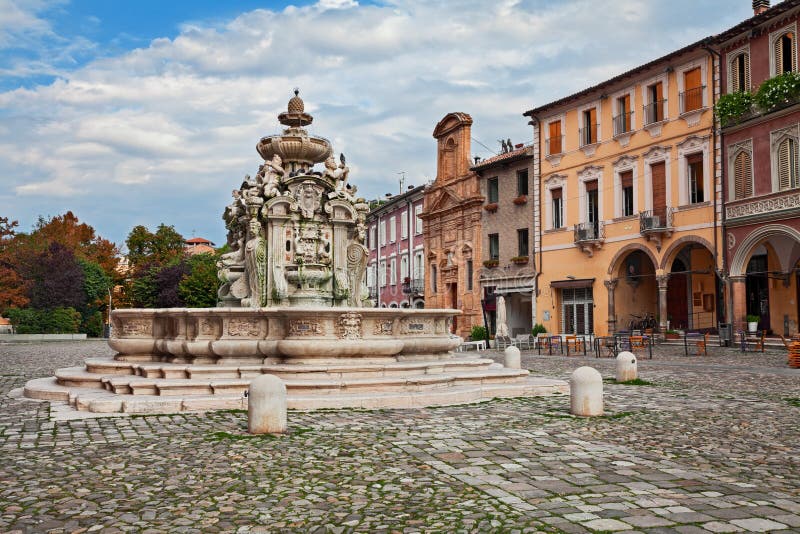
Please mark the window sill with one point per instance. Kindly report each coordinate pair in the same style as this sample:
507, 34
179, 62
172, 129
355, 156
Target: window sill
689, 207
692, 118
625, 218
554, 159
556, 230
624, 138
590, 149
654, 128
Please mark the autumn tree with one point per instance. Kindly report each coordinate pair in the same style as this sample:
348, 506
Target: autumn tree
12, 285
56, 279
162, 247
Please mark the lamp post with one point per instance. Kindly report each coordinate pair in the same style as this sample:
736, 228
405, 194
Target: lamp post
108, 332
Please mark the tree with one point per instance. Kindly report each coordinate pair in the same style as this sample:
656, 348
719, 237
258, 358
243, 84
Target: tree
78, 237
198, 289
13, 291
162, 247
56, 279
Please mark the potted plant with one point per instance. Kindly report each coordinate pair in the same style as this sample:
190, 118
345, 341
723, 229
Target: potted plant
672, 334
491, 208
478, 333
752, 323
537, 329
520, 200
491, 263
519, 259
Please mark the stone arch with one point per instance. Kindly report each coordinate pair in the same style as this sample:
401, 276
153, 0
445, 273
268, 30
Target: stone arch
676, 246
739, 263
613, 266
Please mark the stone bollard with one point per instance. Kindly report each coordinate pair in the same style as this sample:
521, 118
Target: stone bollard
513, 360
586, 392
626, 366
266, 405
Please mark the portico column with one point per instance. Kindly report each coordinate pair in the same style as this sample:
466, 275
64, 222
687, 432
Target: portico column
611, 285
739, 298
662, 280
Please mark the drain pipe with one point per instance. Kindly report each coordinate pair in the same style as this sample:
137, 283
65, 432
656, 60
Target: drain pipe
537, 215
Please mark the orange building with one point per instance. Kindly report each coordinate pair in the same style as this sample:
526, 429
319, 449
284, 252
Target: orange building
628, 197
452, 226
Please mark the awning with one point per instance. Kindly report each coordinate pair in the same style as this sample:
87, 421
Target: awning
507, 290
572, 284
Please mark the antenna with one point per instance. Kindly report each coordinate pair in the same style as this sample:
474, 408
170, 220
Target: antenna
402, 180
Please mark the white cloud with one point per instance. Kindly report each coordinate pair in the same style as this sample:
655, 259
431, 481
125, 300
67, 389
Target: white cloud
174, 124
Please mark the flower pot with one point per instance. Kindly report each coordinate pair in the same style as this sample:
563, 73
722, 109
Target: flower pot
752, 327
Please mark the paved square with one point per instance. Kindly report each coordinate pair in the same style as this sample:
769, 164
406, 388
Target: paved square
712, 446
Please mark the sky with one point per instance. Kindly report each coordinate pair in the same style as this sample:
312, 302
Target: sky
131, 112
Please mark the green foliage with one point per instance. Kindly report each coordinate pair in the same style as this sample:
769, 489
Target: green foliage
96, 282
198, 288
93, 324
753, 318
143, 290
55, 321
778, 91
732, 106
478, 332
163, 246
538, 328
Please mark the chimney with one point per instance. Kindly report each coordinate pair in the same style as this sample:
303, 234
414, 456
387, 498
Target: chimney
759, 6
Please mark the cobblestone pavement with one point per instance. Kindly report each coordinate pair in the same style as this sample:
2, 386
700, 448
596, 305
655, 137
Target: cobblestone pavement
711, 446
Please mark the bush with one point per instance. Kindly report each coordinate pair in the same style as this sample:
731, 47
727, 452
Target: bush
780, 90
732, 106
93, 325
538, 328
478, 332
55, 321
753, 318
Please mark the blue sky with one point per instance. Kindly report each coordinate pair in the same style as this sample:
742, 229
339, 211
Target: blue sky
143, 112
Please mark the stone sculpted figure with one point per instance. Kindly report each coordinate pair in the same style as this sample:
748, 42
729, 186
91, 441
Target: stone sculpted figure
273, 174
308, 199
341, 285
357, 257
280, 289
255, 258
331, 170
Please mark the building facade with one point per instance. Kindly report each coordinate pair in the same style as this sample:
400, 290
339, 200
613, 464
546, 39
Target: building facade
452, 226
628, 191
507, 266
762, 176
396, 269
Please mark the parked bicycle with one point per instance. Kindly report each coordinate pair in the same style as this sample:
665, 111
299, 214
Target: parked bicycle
642, 322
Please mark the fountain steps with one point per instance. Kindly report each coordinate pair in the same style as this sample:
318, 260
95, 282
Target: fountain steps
104, 401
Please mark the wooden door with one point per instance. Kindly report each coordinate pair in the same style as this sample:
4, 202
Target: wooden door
659, 174
454, 304
677, 299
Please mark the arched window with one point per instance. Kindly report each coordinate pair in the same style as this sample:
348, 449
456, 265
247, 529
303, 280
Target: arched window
787, 164
784, 53
742, 175
740, 73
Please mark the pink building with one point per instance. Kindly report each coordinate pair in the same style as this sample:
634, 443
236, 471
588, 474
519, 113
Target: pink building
396, 271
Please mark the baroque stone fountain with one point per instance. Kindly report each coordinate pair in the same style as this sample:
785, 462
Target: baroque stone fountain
293, 304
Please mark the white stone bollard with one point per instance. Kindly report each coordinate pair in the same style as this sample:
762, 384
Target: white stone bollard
513, 360
586, 392
626, 366
266, 405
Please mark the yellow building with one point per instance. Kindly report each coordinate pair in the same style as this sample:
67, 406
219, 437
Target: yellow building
629, 196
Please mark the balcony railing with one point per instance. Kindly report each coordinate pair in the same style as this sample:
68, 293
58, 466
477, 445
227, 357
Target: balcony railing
650, 221
692, 99
373, 292
654, 112
554, 145
623, 123
415, 287
588, 135
589, 231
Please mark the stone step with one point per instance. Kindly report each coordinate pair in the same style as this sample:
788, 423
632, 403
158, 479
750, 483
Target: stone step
138, 385
106, 367
100, 401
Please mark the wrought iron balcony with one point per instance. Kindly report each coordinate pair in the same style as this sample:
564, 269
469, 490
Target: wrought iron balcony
623, 123
588, 135
654, 112
373, 292
554, 145
413, 287
589, 236
692, 99
656, 225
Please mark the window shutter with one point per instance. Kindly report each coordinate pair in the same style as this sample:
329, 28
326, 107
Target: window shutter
778, 52
742, 172
592, 125
555, 193
626, 179
591, 186
784, 165
746, 60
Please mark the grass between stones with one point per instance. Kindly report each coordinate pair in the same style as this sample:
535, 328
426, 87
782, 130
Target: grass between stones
794, 401
634, 382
